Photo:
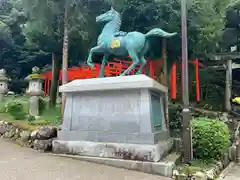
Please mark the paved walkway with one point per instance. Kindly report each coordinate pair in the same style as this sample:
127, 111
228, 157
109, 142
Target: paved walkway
18, 163
233, 173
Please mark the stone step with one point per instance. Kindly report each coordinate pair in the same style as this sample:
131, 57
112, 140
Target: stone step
173, 157
163, 168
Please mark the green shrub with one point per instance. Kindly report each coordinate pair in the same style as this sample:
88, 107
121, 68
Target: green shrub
175, 119
15, 109
52, 115
210, 138
30, 118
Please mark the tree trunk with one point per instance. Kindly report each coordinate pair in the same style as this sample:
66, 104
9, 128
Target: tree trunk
164, 57
55, 78
228, 85
165, 73
65, 56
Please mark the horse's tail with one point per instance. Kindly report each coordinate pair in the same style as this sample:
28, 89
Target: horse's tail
159, 32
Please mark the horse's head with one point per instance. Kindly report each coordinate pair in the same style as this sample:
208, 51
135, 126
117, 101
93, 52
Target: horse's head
108, 16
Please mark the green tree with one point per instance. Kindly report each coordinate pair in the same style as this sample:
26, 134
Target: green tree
63, 20
205, 22
12, 40
42, 37
232, 26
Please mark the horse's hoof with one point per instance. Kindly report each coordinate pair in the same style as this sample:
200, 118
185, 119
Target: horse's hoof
90, 65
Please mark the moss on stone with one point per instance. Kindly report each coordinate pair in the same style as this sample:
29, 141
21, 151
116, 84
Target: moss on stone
19, 123
34, 77
195, 166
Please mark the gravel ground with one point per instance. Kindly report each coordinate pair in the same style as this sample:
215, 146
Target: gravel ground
18, 163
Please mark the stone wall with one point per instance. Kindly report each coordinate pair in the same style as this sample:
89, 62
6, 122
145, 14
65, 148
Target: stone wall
40, 139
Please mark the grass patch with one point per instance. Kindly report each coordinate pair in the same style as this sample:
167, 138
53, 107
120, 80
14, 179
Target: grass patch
202, 164
195, 166
38, 122
19, 123
50, 116
25, 125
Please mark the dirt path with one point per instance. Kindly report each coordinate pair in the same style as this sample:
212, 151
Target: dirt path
17, 163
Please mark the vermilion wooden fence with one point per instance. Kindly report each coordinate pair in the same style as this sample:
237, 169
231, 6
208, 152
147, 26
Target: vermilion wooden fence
116, 67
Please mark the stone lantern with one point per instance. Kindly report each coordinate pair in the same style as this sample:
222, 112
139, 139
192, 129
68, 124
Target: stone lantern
3, 84
35, 90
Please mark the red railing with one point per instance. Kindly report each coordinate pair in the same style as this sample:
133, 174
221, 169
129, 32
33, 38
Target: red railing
116, 67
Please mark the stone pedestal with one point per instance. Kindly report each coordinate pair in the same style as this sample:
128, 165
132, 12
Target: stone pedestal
117, 117
34, 106
2, 97
3, 84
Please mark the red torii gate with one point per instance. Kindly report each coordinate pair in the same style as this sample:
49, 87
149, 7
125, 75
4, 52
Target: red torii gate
173, 79
116, 67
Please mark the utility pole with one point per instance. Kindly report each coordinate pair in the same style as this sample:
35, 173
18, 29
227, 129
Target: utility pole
65, 56
186, 115
228, 83
164, 58
228, 87
165, 73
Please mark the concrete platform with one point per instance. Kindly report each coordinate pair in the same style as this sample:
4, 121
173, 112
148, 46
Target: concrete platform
163, 168
119, 121
152, 153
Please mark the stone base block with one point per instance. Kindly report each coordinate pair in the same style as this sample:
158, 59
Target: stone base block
163, 168
141, 152
101, 136
116, 109
34, 105
1, 97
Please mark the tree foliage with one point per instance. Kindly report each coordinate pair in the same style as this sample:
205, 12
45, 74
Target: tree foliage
211, 138
232, 29
12, 40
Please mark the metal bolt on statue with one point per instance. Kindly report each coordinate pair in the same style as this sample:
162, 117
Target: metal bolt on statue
112, 41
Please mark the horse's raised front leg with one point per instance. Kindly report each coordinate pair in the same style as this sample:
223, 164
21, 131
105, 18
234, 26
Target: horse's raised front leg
133, 54
104, 61
143, 63
93, 50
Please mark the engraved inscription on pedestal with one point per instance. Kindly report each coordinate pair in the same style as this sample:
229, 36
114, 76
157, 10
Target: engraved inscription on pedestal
107, 111
156, 111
